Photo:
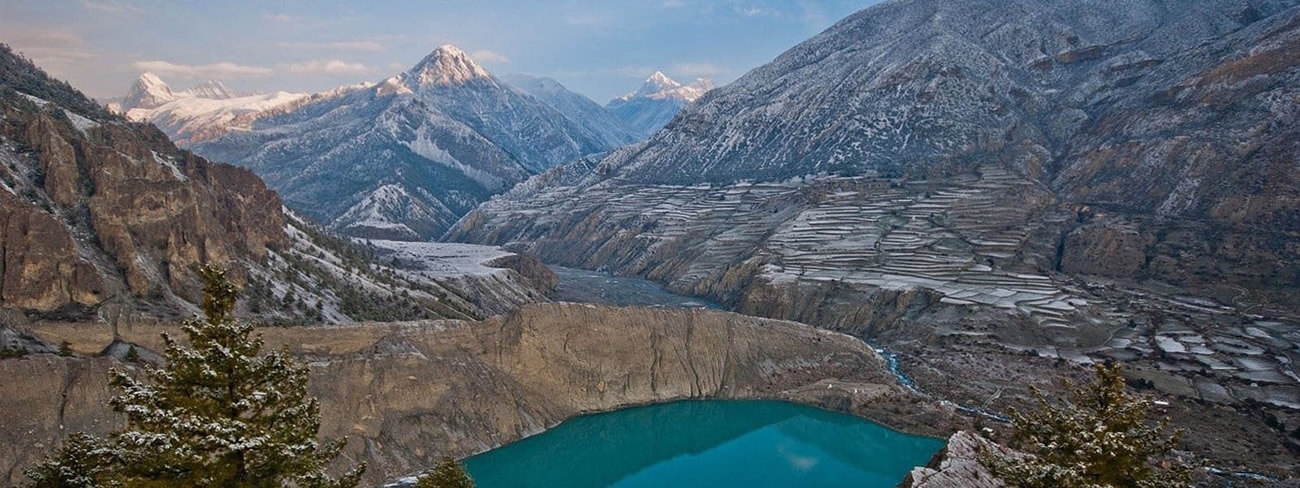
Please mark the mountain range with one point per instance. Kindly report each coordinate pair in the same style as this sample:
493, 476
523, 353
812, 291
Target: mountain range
406, 157
206, 110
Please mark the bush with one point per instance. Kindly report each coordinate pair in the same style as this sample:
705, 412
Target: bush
1098, 438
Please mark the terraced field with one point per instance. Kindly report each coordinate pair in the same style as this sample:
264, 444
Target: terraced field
959, 240
985, 244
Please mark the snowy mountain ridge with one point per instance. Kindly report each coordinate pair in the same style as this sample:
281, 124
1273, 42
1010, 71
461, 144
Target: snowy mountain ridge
577, 108
660, 87
406, 157
206, 110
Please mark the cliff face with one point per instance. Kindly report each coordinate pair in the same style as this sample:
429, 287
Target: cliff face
958, 465
98, 208
409, 393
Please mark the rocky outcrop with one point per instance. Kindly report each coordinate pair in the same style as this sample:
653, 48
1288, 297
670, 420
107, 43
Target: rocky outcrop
154, 212
1105, 250
959, 465
41, 270
531, 268
95, 207
407, 393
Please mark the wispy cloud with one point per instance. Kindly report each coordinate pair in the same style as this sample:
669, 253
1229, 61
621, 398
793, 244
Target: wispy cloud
753, 11
698, 69
50, 46
329, 67
280, 18
214, 70
487, 56
111, 7
334, 45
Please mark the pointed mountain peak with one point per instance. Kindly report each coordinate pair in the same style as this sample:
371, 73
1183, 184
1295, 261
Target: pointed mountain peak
149, 79
447, 65
660, 87
148, 91
657, 82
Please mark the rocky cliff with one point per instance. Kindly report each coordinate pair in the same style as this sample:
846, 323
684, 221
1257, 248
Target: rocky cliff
96, 207
959, 465
408, 393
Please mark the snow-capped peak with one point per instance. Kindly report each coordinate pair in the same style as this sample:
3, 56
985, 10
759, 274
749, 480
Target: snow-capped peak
447, 65
656, 83
212, 89
148, 91
660, 87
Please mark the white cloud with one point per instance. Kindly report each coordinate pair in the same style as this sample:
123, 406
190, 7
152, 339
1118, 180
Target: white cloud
110, 7
674, 3
335, 45
57, 52
487, 56
214, 70
698, 69
752, 11
329, 67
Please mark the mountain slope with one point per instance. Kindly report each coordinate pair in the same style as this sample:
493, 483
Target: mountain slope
407, 157
939, 84
656, 102
581, 110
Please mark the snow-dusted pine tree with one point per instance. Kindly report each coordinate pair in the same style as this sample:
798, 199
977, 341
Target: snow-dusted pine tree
1099, 438
218, 414
447, 474
82, 462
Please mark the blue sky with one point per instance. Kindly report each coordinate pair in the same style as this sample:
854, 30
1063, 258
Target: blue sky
598, 48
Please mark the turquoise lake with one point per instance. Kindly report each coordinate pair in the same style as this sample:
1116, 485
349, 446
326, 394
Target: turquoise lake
707, 444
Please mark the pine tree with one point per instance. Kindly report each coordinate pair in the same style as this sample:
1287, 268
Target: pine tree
83, 462
219, 414
132, 356
1099, 438
447, 474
